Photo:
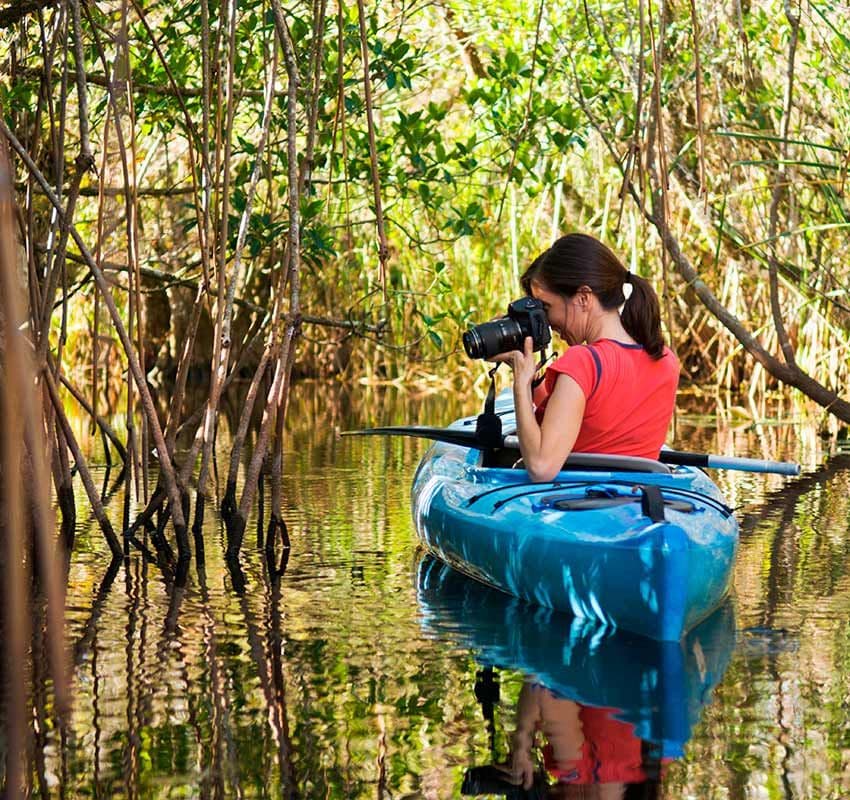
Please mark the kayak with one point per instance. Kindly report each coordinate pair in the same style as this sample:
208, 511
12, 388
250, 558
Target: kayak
627, 543
660, 688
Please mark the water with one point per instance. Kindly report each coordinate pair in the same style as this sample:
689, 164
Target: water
356, 675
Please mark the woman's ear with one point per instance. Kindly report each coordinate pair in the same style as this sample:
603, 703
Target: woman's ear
584, 294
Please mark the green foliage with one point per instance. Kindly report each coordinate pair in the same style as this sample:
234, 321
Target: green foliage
492, 136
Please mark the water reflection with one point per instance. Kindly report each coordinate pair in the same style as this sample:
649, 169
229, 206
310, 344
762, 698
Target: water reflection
334, 681
602, 708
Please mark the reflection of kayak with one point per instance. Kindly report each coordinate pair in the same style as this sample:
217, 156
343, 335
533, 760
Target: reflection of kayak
659, 687
646, 551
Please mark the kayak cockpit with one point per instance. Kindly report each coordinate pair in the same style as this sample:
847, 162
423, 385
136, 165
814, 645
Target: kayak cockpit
509, 458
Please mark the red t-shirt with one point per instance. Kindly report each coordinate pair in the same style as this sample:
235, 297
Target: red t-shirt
629, 396
610, 753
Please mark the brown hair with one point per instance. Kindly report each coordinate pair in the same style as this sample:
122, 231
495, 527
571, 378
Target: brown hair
577, 260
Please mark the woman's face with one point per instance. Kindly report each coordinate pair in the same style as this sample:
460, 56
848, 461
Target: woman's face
564, 313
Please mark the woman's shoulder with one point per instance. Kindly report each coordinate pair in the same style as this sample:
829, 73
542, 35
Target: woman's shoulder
612, 348
574, 354
610, 351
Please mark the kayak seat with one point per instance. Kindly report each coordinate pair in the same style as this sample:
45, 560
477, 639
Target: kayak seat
586, 462
508, 456
611, 463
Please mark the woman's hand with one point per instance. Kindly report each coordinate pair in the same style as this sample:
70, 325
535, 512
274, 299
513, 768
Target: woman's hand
522, 362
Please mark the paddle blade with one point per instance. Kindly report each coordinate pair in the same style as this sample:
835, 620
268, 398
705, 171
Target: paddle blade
447, 435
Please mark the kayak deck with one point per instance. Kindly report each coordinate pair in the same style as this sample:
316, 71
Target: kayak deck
648, 552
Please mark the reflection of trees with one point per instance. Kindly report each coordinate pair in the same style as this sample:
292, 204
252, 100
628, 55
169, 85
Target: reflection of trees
187, 680
266, 644
800, 518
221, 756
778, 699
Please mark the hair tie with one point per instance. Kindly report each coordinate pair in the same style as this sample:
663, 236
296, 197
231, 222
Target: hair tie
628, 286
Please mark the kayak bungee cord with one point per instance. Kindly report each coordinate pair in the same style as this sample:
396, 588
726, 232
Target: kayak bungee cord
554, 485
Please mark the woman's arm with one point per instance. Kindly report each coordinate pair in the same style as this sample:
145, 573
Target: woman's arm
544, 448
522, 741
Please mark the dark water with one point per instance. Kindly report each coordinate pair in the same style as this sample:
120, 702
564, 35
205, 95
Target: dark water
368, 672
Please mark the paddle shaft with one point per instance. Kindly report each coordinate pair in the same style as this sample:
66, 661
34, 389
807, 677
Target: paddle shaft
466, 438
679, 458
729, 462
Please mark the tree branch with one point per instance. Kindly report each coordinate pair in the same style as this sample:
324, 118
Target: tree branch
171, 90
787, 373
167, 280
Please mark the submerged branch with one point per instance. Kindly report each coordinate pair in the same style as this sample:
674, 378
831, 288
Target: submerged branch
104, 426
221, 356
82, 467
276, 398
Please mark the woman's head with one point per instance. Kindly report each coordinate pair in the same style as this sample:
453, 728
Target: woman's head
579, 263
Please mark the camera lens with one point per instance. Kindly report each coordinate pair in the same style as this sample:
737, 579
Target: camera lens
472, 344
491, 338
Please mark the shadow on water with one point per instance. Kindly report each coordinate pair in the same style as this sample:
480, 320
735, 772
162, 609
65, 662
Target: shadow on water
615, 708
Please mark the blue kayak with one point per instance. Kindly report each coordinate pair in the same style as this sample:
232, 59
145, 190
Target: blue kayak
661, 688
629, 543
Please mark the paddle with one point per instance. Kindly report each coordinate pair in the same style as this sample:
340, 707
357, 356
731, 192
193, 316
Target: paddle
466, 438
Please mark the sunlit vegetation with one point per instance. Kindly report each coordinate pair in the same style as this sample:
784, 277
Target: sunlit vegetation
494, 129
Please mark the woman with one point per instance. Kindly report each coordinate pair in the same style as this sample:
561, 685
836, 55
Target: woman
614, 389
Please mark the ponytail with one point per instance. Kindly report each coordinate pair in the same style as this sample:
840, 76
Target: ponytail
641, 317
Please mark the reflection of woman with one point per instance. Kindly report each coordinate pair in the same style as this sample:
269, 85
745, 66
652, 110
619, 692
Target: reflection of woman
588, 751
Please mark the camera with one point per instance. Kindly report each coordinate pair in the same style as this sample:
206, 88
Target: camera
494, 781
526, 317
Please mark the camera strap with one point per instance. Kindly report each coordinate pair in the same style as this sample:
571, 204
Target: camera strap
488, 426
539, 379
